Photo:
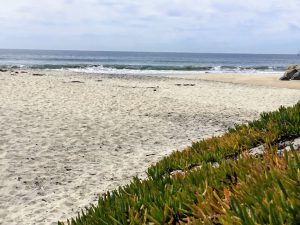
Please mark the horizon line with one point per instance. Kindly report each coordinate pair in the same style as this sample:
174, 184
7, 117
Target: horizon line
136, 51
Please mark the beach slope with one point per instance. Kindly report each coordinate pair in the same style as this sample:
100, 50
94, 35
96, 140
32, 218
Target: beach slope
67, 138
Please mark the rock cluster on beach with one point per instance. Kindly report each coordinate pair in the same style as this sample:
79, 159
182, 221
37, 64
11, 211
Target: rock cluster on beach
281, 146
292, 73
258, 151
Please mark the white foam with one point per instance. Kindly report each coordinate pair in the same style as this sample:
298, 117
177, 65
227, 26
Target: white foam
217, 69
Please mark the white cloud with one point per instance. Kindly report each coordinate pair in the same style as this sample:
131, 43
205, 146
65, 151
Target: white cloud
146, 24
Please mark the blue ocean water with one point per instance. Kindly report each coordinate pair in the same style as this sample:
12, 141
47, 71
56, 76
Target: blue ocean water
146, 62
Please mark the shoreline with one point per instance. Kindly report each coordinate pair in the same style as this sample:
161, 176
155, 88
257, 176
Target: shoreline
68, 137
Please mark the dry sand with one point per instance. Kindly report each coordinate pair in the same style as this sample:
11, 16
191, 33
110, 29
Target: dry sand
267, 80
64, 142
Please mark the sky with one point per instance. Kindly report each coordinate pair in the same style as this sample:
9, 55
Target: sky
229, 26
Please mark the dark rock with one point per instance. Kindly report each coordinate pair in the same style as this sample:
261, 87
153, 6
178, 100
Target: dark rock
67, 168
291, 67
292, 73
38, 74
282, 145
185, 84
233, 156
288, 74
3, 70
296, 76
76, 81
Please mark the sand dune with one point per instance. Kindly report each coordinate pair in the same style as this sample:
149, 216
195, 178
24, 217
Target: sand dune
65, 138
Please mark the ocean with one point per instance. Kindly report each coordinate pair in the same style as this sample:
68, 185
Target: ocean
146, 63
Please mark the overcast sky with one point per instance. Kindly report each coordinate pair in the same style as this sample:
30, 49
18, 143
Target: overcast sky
254, 26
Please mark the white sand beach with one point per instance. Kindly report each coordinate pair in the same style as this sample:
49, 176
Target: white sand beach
66, 138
